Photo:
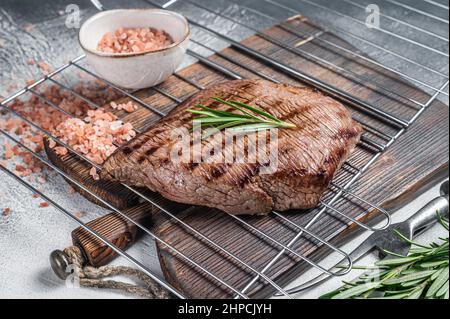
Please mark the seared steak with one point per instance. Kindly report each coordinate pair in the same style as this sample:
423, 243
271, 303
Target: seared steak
308, 156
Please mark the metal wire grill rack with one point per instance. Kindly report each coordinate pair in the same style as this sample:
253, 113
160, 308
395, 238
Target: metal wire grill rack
376, 140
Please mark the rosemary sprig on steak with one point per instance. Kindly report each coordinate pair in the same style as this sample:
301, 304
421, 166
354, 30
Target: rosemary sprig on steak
249, 118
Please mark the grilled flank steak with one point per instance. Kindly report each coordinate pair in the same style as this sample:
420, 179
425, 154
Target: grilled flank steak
308, 155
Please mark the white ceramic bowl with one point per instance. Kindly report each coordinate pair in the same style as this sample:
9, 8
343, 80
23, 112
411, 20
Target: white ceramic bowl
135, 70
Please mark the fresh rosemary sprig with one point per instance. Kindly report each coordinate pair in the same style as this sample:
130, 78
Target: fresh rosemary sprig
249, 118
423, 274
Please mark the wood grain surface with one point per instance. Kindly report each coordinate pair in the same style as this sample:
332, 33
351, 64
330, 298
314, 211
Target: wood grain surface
114, 228
415, 161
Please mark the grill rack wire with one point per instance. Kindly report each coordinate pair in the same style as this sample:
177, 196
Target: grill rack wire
376, 147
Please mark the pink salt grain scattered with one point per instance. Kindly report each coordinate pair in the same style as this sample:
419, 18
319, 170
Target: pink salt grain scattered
28, 27
134, 40
48, 118
96, 137
129, 107
8, 152
6, 211
94, 174
44, 204
61, 151
80, 214
45, 68
51, 143
71, 190
42, 180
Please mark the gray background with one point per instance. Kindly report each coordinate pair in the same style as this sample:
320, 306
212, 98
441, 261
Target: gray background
35, 29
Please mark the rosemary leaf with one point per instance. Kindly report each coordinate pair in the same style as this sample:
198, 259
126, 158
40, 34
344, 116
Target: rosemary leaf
219, 112
438, 283
437, 274
356, 290
198, 112
412, 283
432, 264
213, 130
397, 296
419, 251
394, 292
417, 293
234, 106
256, 110
214, 120
444, 222
443, 290
399, 234
410, 277
253, 127
397, 261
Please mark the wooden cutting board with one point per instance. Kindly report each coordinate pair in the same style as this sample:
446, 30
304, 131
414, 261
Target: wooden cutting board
414, 162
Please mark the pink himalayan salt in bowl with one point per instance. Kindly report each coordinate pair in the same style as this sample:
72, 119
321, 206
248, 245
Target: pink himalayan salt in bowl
141, 68
133, 40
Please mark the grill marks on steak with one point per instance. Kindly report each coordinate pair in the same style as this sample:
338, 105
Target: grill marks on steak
308, 156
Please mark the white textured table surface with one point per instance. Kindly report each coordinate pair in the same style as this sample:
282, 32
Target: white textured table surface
30, 233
